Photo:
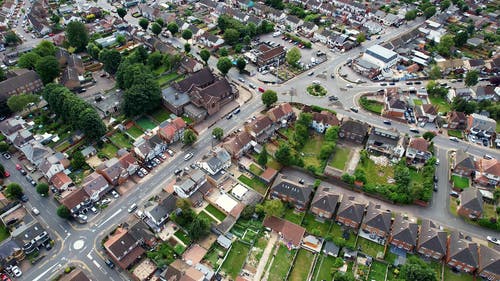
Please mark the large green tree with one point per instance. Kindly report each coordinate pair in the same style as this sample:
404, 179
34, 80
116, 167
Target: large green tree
435, 73
19, 102
111, 60
205, 55
269, 97
429, 12
224, 65
199, 228
411, 15
416, 269
218, 133
173, 28
45, 48
231, 36
42, 189
78, 160
445, 45
471, 78
187, 34
47, 68
63, 212
263, 157
10, 38
14, 191
189, 137
284, 155
155, 60
144, 23
121, 12
77, 35
461, 38
156, 28
91, 124
28, 60
142, 97
241, 64
293, 56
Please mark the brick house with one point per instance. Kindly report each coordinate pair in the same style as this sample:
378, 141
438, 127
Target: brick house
456, 120
377, 221
172, 131
291, 192
463, 164
113, 171
487, 172
462, 254
384, 142
281, 113
471, 203
404, 233
267, 55
418, 151
394, 105
353, 131
350, 212
238, 145
123, 248
289, 233
323, 120
95, 185
489, 263
324, 202
61, 181
261, 129
432, 240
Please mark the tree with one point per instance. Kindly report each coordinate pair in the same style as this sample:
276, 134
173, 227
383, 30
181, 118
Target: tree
277, 4
347, 276
241, 64
187, 34
429, 11
144, 94
55, 19
91, 124
332, 133
42, 189
284, 155
120, 39
445, 45
14, 191
63, 212
223, 52
445, 4
293, 56
156, 28
205, 55
11, 38
28, 60
78, 160
428, 135
45, 48
4, 146
269, 97
272, 208
111, 58
435, 73
160, 22
224, 65
417, 270
2, 75
155, 60
189, 137
77, 35
93, 50
360, 38
121, 12
173, 28
144, 23
2, 168
218, 133
461, 38
47, 68
263, 157
247, 212
402, 176
199, 228
19, 102
187, 48
326, 151
411, 15
471, 78
231, 36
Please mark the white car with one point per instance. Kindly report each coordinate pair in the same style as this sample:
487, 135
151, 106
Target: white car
105, 201
115, 194
316, 82
35, 211
16, 271
188, 156
132, 208
455, 139
493, 240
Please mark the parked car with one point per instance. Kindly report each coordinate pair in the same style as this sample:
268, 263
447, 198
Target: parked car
24, 198
16, 271
157, 161
488, 157
105, 201
414, 131
35, 211
333, 98
163, 157
132, 208
177, 172
188, 156
310, 73
349, 85
455, 139
261, 90
94, 210
23, 172
252, 85
6, 174
387, 122
140, 174
493, 240
109, 263
170, 152
454, 194
115, 194
383, 84
354, 109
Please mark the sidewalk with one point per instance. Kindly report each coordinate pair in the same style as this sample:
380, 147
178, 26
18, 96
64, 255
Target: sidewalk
265, 257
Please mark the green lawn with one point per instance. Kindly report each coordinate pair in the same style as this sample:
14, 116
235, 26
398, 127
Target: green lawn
281, 263
301, 266
292, 216
254, 183
451, 276
160, 115
215, 255
489, 211
340, 157
417, 102
135, 131
187, 119
455, 133
145, 123
215, 212
336, 231
272, 163
311, 151
444, 106
235, 259
368, 247
311, 224
323, 268
165, 79
376, 174
109, 149
183, 237
206, 216
121, 140
377, 271
371, 105
460, 182
4, 233
254, 169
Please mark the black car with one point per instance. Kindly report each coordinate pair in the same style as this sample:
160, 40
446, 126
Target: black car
24, 198
109, 263
333, 98
392, 83
409, 83
177, 172
418, 82
387, 122
414, 131
435, 179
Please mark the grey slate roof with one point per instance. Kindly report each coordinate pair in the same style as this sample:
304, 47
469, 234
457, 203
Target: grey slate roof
325, 199
292, 189
405, 230
471, 198
463, 250
377, 218
431, 237
351, 209
331, 249
463, 159
214, 163
489, 260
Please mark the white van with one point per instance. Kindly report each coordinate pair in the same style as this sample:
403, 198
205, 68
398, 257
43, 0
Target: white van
276, 34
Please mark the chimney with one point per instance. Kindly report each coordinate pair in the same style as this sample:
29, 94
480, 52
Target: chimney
176, 96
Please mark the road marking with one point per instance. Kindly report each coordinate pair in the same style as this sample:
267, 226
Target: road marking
96, 264
45, 272
111, 217
89, 256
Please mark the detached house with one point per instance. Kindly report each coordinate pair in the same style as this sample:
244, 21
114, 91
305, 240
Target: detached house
487, 172
95, 185
158, 212
35, 152
418, 151
471, 203
54, 164
377, 221
350, 212
324, 202
432, 240
238, 145
289, 233
426, 113
291, 192
463, 164
323, 120
61, 181
384, 142
261, 129
456, 120
20, 138
147, 147
123, 248
404, 233
188, 185
281, 114
489, 263
172, 131
480, 125
353, 131
293, 23
462, 254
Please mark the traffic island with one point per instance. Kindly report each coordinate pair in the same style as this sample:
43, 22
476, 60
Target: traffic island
316, 90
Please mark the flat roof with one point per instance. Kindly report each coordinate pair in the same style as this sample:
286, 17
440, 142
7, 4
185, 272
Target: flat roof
226, 203
381, 51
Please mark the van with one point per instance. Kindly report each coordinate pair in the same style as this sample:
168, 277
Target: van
132, 208
276, 34
236, 111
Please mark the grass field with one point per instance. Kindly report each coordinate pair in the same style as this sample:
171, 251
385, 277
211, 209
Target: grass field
254, 169
455, 133
145, 123
460, 182
444, 106
281, 263
215, 212
165, 79
311, 151
135, 132
292, 216
160, 115
4, 233
323, 268
371, 105
235, 259
121, 140
311, 224
377, 271
206, 216
183, 237
254, 183
214, 255
109, 149
376, 174
368, 247
301, 266
272, 163
340, 157
417, 102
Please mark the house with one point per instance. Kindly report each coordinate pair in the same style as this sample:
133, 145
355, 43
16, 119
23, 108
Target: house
123, 249
308, 28
291, 192
20, 138
477, 123
418, 151
75, 275
158, 213
489, 263
404, 233
70, 78
128, 161
12, 125
53, 164
265, 55
95, 185
75, 200
384, 142
293, 23
377, 221
24, 82
487, 172
238, 145
353, 131
463, 93
426, 113
140, 232
486, 92
350, 212
463, 164
190, 65
61, 181
35, 152
395, 105
323, 120
11, 251
261, 129
281, 113
331, 249
113, 171
471, 203
147, 147
456, 120
172, 131
289, 233
462, 254
324, 202
188, 185
211, 41
325, 36
432, 240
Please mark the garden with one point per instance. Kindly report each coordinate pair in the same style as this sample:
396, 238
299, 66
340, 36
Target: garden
377, 271
292, 216
254, 183
316, 227
160, 115
108, 150
281, 263
145, 123
370, 248
337, 232
215, 255
207, 217
460, 182
340, 157
455, 133
371, 105
443, 105
316, 90
121, 140
182, 236
4, 232
324, 268
135, 132
218, 214
449, 275
235, 259
302, 265
162, 255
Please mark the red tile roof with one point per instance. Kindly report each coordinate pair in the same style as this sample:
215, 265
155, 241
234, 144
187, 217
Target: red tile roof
60, 179
291, 232
419, 144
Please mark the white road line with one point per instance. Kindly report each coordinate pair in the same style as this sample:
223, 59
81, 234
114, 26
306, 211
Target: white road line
45, 272
111, 217
96, 264
89, 256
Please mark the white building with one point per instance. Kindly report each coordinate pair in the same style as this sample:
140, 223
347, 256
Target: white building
381, 56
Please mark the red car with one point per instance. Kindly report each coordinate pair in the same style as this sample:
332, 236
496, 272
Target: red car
18, 167
6, 174
261, 90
